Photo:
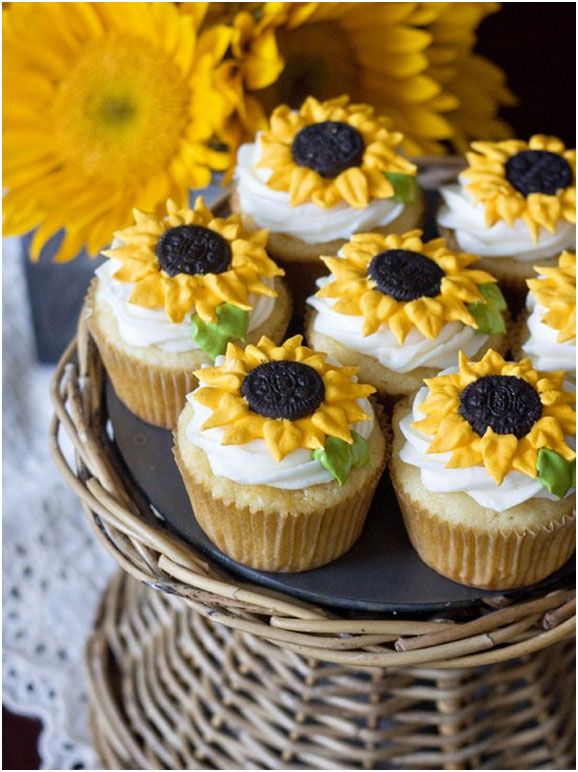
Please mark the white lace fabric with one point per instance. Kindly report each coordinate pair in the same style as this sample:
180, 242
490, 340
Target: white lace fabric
54, 570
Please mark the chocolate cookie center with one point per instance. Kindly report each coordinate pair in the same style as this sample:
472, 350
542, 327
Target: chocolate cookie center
405, 275
538, 171
329, 148
508, 404
283, 390
193, 249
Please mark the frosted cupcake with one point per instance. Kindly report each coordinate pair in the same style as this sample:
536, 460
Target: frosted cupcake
320, 174
401, 309
483, 465
173, 293
280, 452
515, 205
546, 332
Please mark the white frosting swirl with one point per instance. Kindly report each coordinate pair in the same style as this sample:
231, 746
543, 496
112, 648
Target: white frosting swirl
252, 463
467, 219
542, 346
311, 223
515, 488
139, 326
415, 351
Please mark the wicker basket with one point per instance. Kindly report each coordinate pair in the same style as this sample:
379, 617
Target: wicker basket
171, 689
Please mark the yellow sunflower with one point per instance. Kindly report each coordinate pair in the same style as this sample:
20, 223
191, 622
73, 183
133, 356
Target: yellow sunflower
332, 151
402, 282
556, 291
499, 415
413, 61
178, 267
107, 106
534, 181
289, 396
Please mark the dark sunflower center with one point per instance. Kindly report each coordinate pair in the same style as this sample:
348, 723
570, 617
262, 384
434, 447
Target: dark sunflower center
193, 249
283, 390
538, 171
508, 404
405, 275
329, 148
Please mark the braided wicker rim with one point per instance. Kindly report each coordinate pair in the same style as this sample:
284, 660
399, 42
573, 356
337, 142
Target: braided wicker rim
139, 541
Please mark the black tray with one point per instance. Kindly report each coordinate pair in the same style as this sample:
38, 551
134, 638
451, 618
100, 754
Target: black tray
381, 572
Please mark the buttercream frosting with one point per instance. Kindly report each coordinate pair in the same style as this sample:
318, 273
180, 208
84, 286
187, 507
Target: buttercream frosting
416, 350
272, 209
475, 481
542, 345
467, 219
140, 326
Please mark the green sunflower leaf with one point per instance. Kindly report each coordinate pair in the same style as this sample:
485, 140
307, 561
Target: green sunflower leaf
489, 315
213, 337
359, 451
404, 186
555, 473
338, 457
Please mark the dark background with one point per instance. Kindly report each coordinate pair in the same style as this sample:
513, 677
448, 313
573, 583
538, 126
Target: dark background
535, 44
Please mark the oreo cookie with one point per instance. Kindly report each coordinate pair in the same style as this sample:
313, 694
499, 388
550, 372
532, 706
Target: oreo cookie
508, 404
329, 148
538, 171
405, 275
289, 390
193, 249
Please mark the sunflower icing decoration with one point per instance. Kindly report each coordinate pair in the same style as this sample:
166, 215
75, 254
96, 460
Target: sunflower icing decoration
556, 291
401, 282
289, 396
504, 416
333, 151
190, 260
534, 181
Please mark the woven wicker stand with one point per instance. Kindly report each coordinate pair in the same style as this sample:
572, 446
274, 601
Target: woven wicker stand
205, 671
171, 689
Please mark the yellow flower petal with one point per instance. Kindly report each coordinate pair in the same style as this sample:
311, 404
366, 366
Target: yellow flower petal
282, 437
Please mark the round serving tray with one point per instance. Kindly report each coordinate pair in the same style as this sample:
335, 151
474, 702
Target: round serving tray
382, 572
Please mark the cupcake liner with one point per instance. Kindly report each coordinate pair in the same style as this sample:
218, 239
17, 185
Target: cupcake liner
493, 560
156, 393
289, 541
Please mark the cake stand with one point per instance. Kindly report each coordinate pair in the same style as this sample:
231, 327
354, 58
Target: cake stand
203, 664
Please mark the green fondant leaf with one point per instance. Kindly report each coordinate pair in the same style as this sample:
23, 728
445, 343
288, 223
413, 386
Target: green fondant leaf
555, 473
338, 457
213, 337
404, 186
359, 451
489, 315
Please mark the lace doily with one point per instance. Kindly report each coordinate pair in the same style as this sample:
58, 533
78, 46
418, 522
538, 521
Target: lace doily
54, 569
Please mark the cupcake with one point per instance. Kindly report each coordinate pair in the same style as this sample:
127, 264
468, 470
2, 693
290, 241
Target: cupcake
514, 205
173, 293
401, 310
546, 331
483, 467
280, 452
320, 174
